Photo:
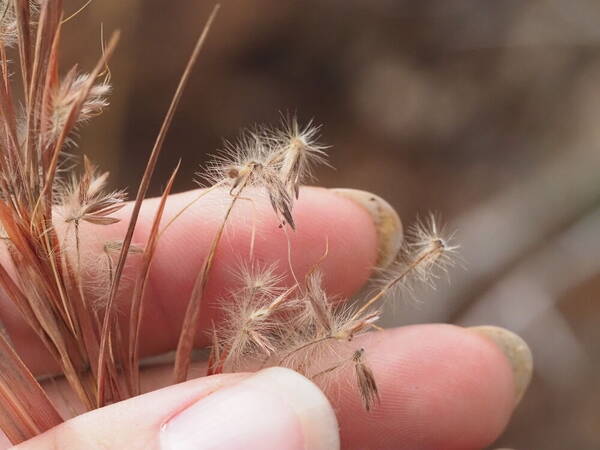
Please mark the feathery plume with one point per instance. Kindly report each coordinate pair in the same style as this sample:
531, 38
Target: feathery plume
252, 161
72, 305
365, 380
254, 322
427, 251
259, 279
67, 93
297, 152
430, 246
84, 199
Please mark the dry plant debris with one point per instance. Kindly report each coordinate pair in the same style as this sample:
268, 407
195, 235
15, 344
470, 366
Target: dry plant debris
43, 202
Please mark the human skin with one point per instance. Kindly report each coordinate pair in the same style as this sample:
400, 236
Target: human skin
441, 386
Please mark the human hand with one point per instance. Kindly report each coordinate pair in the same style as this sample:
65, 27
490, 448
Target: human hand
441, 386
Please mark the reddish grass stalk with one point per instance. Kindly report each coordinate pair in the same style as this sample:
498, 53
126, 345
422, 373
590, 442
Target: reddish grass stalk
137, 304
23, 21
189, 328
71, 119
26, 409
141, 194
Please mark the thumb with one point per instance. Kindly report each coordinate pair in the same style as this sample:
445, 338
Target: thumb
273, 409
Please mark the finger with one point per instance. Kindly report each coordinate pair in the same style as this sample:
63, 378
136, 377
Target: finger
325, 221
359, 230
440, 387
273, 409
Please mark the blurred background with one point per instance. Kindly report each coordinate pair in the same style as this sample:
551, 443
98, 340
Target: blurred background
486, 112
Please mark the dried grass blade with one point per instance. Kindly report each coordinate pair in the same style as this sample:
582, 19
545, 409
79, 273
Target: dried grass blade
45, 314
26, 410
141, 194
23, 14
16, 295
46, 109
83, 314
59, 336
47, 32
39, 310
28, 258
192, 313
71, 119
6, 106
48, 26
136, 311
64, 306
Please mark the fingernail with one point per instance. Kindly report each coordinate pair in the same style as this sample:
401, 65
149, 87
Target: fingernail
516, 351
276, 408
386, 219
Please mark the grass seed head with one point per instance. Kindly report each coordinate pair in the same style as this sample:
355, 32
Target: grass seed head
431, 249
297, 151
259, 279
365, 380
83, 198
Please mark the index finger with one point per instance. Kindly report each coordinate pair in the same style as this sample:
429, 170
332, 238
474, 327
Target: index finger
360, 230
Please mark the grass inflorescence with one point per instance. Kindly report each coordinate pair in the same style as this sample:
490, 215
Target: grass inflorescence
45, 272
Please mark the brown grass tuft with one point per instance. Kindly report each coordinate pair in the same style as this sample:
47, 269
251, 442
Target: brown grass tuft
266, 322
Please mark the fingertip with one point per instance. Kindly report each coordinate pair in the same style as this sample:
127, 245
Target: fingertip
516, 351
441, 386
275, 408
388, 226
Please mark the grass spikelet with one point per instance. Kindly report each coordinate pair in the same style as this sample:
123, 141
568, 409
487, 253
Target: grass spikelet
364, 377
318, 310
250, 330
72, 293
432, 248
259, 279
254, 318
83, 199
319, 323
365, 380
426, 252
236, 163
253, 161
99, 270
66, 93
297, 151
252, 333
